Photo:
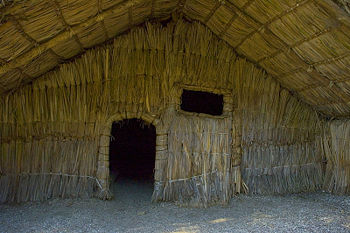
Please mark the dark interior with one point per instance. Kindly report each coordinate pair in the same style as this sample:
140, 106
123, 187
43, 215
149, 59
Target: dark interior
132, 150
202, 102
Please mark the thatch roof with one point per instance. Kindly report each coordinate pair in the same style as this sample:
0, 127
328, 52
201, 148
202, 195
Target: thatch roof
345, 4
305, 45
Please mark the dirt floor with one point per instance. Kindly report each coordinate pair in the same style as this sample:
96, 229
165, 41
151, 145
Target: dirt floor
131, 211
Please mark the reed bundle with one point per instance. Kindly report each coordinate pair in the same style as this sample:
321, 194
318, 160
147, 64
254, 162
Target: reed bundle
305, 45
279, 136
337, 152
345, 4
51, 129
199, 157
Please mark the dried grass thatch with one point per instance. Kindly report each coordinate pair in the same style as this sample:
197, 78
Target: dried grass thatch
198, 163
305, 45
54, 132
337, 153
280, 138
345, 4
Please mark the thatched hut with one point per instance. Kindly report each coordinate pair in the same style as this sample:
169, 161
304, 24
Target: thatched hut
278, 70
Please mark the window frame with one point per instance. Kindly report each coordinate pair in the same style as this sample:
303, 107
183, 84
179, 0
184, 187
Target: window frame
227, 94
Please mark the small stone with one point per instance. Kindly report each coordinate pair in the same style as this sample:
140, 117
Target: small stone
141, 213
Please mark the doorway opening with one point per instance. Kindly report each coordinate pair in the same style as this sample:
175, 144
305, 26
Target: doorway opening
132, 151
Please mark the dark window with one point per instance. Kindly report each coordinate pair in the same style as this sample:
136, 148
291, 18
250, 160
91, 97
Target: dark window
202, 102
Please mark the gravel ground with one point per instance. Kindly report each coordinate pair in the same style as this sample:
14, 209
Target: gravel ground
132, 211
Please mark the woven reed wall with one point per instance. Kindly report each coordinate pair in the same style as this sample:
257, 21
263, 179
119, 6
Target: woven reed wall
337, 152
198, 164
280, 137
50, 130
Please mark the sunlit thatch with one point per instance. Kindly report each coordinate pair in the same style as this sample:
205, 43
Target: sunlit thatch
54, 135
305, 45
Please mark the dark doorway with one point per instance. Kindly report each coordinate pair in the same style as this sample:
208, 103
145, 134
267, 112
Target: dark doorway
132, 150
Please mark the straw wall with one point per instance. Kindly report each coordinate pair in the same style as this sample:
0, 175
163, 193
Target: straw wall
280, 137
51, 130
337, 151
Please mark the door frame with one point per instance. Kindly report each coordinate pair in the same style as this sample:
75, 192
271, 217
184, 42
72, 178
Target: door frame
103, 150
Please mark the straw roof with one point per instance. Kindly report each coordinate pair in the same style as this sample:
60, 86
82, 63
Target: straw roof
345, 4
304, 44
